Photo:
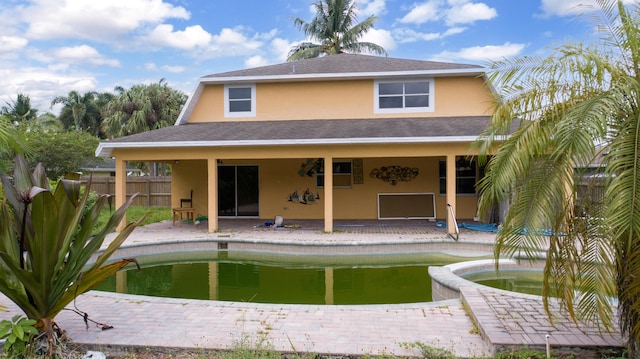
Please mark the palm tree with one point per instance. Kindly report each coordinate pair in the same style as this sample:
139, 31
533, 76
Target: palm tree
336, 29
568, 107
20, 109
10, 143
142, 108
79, 111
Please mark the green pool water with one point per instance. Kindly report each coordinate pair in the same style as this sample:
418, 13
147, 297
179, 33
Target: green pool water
382, 279
515, 280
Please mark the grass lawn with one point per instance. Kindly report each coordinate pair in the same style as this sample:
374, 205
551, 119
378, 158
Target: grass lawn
154, 215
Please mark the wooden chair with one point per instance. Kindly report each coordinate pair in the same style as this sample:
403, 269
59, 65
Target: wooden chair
185, 201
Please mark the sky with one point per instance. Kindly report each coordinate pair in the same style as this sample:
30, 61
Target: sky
48, 48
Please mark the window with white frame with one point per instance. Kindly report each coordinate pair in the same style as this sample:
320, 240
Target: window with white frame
240, 101
403, 96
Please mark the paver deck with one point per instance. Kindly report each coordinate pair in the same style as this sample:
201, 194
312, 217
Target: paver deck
163, 323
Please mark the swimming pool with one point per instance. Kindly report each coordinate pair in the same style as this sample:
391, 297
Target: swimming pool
286, 278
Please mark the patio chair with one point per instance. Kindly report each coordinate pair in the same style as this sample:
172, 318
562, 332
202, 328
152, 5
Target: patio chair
185, 201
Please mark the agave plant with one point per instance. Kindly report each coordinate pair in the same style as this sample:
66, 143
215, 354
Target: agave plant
46, 242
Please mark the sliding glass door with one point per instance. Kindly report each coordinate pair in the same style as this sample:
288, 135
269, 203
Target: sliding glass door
238, 191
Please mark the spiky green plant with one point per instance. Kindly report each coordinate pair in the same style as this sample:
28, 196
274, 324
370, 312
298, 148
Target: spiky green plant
46, 242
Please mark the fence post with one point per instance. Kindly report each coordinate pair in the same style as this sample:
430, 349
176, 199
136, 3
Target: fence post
148, 192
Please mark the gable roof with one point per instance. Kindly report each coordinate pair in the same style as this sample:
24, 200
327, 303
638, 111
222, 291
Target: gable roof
305, 132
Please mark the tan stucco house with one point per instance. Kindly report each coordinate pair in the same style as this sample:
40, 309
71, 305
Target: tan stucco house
258, 142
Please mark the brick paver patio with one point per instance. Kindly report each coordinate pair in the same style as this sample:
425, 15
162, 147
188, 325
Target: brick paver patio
504, 320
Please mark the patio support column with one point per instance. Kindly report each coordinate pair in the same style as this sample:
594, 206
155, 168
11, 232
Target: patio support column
328, 194
212, 193
121, 189
451, 191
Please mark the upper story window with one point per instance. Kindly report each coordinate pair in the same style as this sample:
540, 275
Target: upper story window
240, 101
403, 96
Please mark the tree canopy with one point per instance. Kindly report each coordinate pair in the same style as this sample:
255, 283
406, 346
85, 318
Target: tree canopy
336, 30
61, 152
142, 108
578, 106
19, 110
80, 111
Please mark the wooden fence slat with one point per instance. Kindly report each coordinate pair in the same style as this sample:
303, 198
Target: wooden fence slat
152, 191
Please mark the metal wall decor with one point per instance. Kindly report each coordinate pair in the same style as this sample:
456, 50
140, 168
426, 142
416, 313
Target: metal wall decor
394, 174
305, 197
311, 167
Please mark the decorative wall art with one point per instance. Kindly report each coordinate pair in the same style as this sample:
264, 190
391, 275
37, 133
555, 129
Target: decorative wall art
303, 198
311, 167
394, 174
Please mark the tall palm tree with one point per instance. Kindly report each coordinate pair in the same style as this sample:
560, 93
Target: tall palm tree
336, 29
568, 107
142, 108
79, 111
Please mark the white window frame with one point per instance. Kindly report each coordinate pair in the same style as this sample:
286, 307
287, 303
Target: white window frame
376, 97
228, 113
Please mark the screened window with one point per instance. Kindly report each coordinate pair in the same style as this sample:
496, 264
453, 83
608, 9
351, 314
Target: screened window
468, 173
240, 101
404, 96
342, 173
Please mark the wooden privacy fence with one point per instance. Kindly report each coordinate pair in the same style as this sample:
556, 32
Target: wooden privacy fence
152, 191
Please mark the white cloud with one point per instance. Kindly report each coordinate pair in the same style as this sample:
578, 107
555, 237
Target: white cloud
565, 7
173, 69
234, 42
190, 38
481, 53
454, 31
406, 35
380, 37
82, 54
281, 47
367, 8
453, 12
42, 84
12, 43
570, 7
422, 13
150, 66
95, 20
469, 12
255, 61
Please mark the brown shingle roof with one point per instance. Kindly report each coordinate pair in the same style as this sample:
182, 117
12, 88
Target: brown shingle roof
347, 63
315, 130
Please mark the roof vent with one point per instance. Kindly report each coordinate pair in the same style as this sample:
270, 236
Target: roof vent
293, 68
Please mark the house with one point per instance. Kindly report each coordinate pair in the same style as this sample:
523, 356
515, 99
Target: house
258, 142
